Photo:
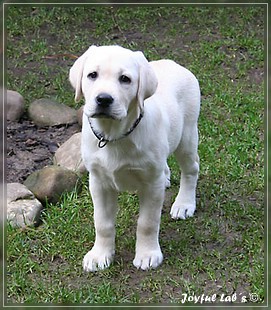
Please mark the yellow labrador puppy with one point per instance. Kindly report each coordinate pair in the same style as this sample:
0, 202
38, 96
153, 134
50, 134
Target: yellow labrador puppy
136, 114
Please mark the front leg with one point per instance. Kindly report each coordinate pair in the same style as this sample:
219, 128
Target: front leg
105, 208
148, 252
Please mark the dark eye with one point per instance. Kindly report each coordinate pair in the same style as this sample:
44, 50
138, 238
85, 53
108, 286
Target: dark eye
93, 75
124, 79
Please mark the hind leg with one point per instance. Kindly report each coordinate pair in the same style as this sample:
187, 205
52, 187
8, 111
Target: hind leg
187, 156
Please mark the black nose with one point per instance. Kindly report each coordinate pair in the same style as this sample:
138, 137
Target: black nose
104, 100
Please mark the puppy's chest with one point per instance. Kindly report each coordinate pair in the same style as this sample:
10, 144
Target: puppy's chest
123, 177
130, 178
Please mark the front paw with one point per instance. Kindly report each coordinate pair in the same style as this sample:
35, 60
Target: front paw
182, 211
148, 259
97, 259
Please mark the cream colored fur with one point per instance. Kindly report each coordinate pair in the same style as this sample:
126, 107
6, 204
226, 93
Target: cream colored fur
169, 96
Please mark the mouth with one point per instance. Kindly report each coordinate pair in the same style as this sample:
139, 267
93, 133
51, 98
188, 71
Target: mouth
103, 115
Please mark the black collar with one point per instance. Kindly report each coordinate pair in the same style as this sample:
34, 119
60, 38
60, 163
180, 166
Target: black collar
103, 141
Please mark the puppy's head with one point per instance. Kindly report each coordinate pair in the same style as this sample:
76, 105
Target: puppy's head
111, 78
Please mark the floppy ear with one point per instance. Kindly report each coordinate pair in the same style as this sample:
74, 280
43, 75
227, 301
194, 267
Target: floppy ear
76, 72
147, 80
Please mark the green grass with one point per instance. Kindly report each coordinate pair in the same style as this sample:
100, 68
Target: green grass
218, 251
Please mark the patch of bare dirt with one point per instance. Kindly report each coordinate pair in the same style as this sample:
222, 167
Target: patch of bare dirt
30, 148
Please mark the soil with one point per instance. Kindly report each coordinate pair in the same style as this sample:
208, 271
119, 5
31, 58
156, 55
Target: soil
30, 148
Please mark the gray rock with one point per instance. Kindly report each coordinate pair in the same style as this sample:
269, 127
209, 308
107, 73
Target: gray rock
22, 207
45, 112
80, 115
49, 183
68, 154
15, 105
